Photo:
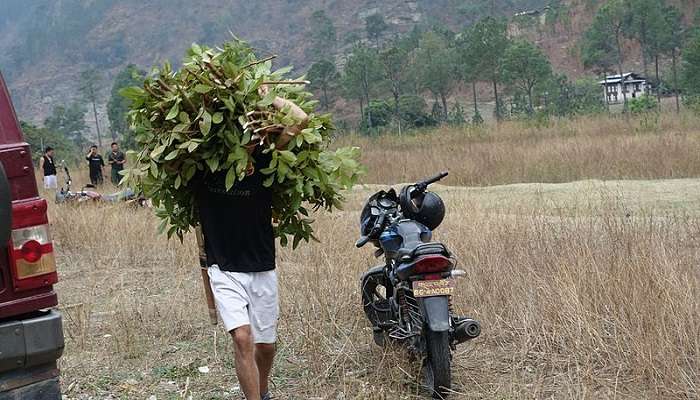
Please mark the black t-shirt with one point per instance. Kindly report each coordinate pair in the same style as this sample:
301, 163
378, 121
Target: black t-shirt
96, 163
237, 224
49, 167
114, 157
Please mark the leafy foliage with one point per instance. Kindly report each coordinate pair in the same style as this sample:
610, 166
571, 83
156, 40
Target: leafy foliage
323, 34
484, 44
412, 110
362, 71
324, 77
437, 67
643, 104
601, 46
375, 27
118, 105
69, 122
690, 70
524, 66
381, 113
39, 138
206, 118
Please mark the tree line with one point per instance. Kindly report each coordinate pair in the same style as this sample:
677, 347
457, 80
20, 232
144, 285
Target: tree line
408, 81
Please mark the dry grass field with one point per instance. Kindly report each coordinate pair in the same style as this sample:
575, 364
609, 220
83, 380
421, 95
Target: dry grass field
586, 290
562, 151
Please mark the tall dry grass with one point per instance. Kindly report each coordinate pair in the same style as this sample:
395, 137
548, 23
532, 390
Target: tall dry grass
583, 293
606, 147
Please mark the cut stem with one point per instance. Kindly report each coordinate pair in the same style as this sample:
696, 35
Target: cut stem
286, 82
266, 59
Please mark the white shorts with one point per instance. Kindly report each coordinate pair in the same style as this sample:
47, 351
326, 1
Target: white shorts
247, 298
50, 182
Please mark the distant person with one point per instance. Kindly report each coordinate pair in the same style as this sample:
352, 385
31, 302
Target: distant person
96, 163
117, 160
47, 165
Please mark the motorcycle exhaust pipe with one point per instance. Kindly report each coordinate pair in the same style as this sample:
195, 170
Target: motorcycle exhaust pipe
467, 329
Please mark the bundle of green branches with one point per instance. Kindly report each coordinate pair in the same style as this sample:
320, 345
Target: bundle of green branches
209, 115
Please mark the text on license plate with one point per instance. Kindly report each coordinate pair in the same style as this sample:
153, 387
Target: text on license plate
442, 287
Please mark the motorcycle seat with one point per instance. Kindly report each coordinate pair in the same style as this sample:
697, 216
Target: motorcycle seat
423, 249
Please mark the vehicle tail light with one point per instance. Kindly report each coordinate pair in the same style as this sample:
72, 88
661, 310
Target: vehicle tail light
431, 264
34, 264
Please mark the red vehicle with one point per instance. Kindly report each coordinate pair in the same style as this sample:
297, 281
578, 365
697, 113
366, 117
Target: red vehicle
31, 332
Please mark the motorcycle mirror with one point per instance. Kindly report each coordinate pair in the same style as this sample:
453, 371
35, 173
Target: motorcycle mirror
362, 241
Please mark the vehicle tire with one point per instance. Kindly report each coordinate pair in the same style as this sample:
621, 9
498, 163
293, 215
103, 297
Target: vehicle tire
437, 368
375, 304
379, 337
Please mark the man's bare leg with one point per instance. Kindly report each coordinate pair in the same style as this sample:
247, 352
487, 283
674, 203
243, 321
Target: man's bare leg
264, 356
246, 367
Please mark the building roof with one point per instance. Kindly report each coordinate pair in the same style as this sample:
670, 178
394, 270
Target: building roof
629, 77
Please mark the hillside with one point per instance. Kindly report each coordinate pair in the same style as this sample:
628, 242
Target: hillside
45, 44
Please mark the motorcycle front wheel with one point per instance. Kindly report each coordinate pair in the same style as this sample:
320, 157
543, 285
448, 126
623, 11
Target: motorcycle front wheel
437, 368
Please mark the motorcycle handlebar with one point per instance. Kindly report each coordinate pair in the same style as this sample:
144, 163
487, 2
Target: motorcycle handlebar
421, 186
434, 179
362, 241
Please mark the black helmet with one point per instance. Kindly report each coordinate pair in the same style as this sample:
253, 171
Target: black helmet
368, 217
427, 208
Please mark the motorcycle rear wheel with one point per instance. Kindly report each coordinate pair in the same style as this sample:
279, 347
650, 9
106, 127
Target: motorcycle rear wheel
375, 304
437, 368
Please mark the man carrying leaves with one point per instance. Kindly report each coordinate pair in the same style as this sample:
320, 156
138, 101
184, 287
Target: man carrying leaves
240, 247
222, 153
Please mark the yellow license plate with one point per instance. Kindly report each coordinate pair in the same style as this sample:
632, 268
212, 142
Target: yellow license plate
442, 287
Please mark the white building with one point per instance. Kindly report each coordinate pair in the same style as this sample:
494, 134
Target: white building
633, 84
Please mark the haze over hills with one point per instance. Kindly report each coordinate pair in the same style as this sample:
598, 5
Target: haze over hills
45, 44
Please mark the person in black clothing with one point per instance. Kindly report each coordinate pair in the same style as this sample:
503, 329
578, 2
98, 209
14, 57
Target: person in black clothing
47, 165
96, 163
117, 160
240, 246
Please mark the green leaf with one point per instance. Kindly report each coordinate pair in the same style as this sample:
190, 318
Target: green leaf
230, 105
184, 118
288, 156
230, 178
201, 88
205, 124
213, 164
269, 181
133, 93
161, 227
267, 100
158, 151
172, 155
178, 182
217, 118
174, 111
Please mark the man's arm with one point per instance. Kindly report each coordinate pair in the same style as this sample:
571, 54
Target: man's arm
289, 132
41, 162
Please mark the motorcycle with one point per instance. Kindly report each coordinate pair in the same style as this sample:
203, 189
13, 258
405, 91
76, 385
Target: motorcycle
407, 299
89, 194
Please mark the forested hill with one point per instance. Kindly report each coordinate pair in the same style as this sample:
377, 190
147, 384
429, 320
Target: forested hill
45, 44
